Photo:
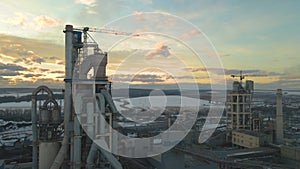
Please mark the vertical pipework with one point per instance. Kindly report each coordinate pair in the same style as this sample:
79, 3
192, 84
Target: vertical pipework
34, 133
77, 143
109, 101
67, 96
90, 161
68, 76
69, 71
102, 115
34, 123
279, 117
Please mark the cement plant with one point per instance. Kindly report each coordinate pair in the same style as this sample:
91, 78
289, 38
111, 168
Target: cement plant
257, 130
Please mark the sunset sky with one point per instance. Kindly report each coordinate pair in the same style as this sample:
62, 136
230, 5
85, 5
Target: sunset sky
259, 37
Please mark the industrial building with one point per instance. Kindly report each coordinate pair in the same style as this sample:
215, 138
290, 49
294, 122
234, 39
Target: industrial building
68, 135
77, 150
89, 118
238, 106
250, 139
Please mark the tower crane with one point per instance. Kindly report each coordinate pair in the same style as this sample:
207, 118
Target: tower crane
242, 76
93, 43
108, 31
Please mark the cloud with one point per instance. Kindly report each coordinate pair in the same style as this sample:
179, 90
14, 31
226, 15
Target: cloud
193, 69
291, 72
24, 61
45, 22
139, 16
223, 55
38, 69
25, 55
13, 46
52, 58
160, 49
10, 70
91, 11
60, 77
8, 73
89, 3
20, 19
59, 62
147, 78
33, 22
58, 72
28, 75
33, 82
190, 34
284, 84
11, 67
249, 72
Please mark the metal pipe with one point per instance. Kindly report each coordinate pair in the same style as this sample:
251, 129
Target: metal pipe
91, 157
42, 88
77, 143
109, 101
61, 154
69, 72
34, 133
113, 109
51, 100
102, 99
112, 159
67, 96
101, 103
105, 98
92, 153
90, 119
34, 123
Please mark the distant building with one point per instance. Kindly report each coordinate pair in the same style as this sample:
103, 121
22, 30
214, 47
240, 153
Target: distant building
250, 139
238, 106
245, 127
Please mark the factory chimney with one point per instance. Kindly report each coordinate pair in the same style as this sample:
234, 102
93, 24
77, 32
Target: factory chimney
279, 118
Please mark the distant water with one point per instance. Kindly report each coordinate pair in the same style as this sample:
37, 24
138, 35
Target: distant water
16, 105
160, 101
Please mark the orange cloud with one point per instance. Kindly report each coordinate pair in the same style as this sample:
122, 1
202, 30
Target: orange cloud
29, 21
222, 55
160, 49
59, 62
20, 19
189, 34
45, 22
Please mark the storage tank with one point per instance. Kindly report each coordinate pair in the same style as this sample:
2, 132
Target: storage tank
44, 115
47, 153
56, 116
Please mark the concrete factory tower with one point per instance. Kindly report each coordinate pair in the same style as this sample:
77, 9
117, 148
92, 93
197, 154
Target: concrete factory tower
238, 111
279, 118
